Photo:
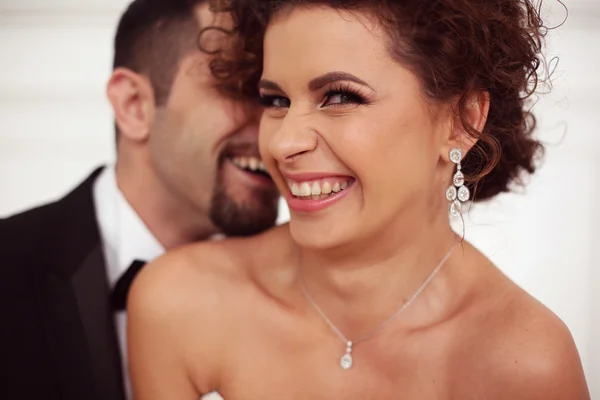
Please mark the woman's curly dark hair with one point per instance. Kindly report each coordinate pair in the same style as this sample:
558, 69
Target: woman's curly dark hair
455, 47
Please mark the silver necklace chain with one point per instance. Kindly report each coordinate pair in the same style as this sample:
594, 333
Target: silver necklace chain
347, 360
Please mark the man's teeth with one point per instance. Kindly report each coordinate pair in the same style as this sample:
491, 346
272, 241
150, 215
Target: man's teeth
251, 163
317, 189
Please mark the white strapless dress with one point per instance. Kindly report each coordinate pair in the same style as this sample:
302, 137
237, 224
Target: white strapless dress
212, 396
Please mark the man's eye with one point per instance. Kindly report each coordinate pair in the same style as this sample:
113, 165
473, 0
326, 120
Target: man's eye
275, 101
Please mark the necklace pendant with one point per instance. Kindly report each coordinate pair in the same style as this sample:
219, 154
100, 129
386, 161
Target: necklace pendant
346, 361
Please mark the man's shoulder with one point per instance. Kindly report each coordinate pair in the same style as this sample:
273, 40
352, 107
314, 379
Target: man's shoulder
24, 219
65, 225
20, 232
30, 220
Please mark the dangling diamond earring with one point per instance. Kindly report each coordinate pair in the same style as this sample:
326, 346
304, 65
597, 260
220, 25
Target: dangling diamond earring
457, 196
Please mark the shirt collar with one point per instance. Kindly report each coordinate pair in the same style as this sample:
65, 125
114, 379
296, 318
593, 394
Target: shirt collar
124, 235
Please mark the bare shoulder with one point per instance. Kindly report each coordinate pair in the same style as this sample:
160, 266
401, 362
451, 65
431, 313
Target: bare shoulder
520, 349
174, 315
180, 310
180, 278
200, 274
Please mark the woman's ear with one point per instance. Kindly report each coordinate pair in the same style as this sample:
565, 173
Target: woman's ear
132, 99
475, 114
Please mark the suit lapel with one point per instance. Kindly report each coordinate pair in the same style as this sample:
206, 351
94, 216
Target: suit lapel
78, 321
92, 295
65, 340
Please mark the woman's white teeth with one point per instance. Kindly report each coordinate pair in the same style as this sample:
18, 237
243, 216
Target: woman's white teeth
295, 189
305, 189
251, 163
316, 189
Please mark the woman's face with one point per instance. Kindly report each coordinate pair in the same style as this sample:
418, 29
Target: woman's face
347, 134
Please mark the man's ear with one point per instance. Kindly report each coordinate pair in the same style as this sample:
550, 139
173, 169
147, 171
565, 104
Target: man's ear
476, 110
132, 99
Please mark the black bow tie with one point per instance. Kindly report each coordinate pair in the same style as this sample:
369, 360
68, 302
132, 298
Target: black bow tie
121, 289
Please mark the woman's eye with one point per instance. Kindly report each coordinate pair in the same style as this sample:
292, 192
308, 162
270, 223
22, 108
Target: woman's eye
275, 101
341, 99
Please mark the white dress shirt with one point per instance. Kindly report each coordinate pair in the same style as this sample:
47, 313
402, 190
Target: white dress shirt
125, 238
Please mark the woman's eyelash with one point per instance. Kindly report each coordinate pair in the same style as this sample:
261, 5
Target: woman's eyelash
353, 96
349, 95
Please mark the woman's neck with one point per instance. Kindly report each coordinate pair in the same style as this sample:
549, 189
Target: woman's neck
364, 283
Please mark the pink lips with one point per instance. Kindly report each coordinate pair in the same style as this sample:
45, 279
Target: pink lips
313, 205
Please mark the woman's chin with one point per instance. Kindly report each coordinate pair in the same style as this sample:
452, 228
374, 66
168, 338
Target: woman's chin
318, 236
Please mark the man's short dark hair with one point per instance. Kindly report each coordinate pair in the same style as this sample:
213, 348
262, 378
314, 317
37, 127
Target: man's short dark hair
153, 36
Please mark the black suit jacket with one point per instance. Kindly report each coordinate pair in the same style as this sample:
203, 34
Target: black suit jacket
57, 338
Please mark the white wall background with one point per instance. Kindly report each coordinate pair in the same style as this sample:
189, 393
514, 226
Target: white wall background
56, 126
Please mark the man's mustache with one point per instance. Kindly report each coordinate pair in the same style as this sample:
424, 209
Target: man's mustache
245, 149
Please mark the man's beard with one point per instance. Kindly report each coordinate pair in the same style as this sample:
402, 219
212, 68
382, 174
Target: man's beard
243, 219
